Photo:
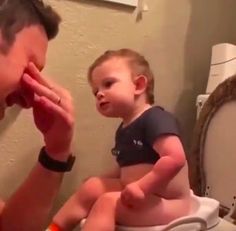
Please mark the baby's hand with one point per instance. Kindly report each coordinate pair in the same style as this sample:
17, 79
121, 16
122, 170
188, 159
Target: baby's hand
132, 196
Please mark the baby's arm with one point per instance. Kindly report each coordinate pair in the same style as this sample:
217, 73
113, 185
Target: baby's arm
172, 159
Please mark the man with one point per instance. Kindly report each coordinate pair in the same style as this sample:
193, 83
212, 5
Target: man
26, 26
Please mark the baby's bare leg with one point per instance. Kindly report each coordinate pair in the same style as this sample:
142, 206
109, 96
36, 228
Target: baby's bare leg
80, 203
108, 210
103, 213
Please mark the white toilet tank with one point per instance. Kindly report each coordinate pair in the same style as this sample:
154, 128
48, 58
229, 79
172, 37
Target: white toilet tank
223, 65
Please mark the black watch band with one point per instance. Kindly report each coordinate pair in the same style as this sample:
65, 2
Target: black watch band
55, 165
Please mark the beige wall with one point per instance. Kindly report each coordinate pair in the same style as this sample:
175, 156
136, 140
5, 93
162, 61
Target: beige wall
175, 36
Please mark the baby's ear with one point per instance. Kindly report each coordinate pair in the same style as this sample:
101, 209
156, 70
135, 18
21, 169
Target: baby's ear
140, 82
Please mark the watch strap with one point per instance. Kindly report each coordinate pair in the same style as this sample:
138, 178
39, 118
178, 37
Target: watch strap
55, 165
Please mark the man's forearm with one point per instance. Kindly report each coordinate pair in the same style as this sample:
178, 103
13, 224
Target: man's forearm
29, 206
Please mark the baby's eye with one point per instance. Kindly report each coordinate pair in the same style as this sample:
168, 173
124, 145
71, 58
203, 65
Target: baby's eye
108, 83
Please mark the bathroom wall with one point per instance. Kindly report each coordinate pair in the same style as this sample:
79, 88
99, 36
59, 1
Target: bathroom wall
175, 36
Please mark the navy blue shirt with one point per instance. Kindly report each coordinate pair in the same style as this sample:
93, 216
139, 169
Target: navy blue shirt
134, 143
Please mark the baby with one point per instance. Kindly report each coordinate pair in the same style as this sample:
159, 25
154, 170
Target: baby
149, 184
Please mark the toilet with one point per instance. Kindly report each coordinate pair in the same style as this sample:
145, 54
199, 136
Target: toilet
213, 155
212, 159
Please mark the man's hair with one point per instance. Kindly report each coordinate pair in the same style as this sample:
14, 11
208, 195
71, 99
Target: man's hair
137, 63
15, 15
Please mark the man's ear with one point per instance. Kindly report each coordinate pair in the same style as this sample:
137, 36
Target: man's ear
140, 82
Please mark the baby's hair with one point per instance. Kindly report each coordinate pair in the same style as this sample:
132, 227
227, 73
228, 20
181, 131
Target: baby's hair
137, 63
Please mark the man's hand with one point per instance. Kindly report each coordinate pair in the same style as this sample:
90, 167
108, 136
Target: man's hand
52, 110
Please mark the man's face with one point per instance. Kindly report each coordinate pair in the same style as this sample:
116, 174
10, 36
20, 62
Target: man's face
30, 45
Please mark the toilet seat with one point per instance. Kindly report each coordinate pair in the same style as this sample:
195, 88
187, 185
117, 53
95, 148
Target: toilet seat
203, 216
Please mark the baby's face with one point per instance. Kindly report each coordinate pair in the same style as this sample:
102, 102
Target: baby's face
113, 87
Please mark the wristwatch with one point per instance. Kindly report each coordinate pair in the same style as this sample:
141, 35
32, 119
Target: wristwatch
55, 165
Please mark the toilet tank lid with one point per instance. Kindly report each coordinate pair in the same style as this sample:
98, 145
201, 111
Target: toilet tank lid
223, 52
